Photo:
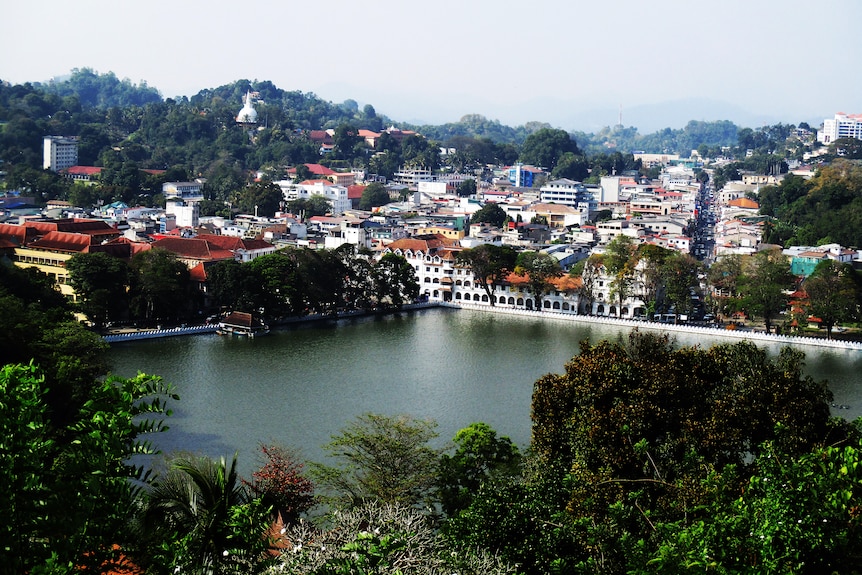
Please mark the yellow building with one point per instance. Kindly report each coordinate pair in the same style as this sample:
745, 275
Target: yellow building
445, 231
48, 245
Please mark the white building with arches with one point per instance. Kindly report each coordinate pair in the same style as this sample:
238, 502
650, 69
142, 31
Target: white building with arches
442, 278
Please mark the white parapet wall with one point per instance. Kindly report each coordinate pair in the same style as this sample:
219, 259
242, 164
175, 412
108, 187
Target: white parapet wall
712, 332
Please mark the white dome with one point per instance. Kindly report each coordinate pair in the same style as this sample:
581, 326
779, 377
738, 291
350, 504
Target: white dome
248, 115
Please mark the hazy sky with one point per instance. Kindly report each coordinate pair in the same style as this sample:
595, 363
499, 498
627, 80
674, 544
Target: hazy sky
436, 61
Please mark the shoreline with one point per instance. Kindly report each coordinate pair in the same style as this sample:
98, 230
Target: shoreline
673, 328
756, 336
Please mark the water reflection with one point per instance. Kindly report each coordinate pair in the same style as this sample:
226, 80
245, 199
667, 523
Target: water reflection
300, 385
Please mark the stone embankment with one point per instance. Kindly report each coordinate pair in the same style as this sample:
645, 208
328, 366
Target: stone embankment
711, 332
136, 334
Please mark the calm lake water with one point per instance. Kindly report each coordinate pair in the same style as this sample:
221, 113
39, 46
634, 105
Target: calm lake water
302, 384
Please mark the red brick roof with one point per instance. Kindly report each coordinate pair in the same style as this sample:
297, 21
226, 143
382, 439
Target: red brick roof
564, 283
354, 192
320, 136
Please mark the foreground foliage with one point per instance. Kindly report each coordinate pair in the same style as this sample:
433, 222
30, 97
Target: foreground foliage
380, 458
379, 539
71, 502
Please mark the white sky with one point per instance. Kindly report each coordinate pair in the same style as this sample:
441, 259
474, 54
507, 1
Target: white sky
436, 61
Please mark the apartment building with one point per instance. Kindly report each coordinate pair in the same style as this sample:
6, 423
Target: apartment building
59, 152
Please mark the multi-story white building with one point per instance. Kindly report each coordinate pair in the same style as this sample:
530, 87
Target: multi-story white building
442, 278
185, 191
841, 126
182, 200
350, 232
337, 195
59, 152
563, 191
187, 215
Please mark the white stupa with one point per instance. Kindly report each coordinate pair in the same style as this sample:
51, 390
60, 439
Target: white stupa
248, 115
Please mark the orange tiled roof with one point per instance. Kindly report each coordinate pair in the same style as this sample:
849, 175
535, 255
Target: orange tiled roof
425, 243
63, 242
193, 249
564, 283
744, 203
315, 169
198, 273
83, 171
16, 234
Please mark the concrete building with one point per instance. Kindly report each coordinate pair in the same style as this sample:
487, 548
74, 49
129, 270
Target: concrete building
185, 191
841, 126
182, 201
522, 176
563, 191
59, 152
556, 215
337, 195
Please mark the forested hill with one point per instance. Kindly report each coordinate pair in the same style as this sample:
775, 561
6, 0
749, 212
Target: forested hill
825, 209
87, 89
96, 90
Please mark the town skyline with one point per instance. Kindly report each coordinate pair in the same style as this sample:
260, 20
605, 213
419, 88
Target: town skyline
578, 68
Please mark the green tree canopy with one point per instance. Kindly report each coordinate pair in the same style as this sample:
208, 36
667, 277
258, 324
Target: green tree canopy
394, 281
101, 281
161, 287
70, 503
200, 518
479, 456
833, 291
490, 213
766, 279
490, 265
539, 268
262, 199
380, 458
546, 147
635, 430
374, 195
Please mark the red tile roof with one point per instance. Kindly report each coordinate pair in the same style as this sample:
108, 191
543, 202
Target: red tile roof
233, 243
83, 171
426, 243
198, 273
63, 242
193, 249
315, 169
19, 235
743, 203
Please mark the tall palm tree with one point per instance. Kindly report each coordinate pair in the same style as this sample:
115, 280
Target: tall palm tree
194, 511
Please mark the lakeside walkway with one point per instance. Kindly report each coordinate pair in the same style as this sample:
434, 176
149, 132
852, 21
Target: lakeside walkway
737, 334
713, 332
137, 334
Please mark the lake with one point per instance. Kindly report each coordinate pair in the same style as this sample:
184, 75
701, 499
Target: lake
301, 384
